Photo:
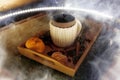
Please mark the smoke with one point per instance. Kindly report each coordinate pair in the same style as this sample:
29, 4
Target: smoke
108, 7
105, 52
106, 60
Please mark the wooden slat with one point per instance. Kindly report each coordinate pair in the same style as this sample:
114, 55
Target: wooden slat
10, 4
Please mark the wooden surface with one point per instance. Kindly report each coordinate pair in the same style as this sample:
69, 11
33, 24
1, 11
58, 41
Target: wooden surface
11, 4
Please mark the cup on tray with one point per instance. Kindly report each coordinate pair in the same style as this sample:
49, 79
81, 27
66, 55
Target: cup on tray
64, 29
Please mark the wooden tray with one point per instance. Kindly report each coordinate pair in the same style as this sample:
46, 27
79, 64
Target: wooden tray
91, 30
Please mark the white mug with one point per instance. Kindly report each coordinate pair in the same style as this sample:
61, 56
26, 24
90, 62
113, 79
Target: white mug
64, 37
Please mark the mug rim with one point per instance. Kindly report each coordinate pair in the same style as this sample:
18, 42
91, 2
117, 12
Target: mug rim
64, 24
76, 23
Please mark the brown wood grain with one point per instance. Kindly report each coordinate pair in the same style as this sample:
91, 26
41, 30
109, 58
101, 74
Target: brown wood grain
11, 4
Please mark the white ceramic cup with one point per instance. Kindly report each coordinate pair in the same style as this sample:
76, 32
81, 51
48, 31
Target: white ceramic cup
64, 37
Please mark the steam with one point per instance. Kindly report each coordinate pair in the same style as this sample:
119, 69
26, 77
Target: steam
108, 7
55, 8
105, 64
106, 51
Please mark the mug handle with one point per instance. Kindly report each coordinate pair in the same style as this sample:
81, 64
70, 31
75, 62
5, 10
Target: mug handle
79, 26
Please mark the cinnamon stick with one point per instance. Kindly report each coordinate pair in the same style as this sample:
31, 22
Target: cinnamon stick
77, 48
71, 48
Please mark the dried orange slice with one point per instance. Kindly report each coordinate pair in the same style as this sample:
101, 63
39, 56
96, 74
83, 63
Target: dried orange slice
36, 44
59, 57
